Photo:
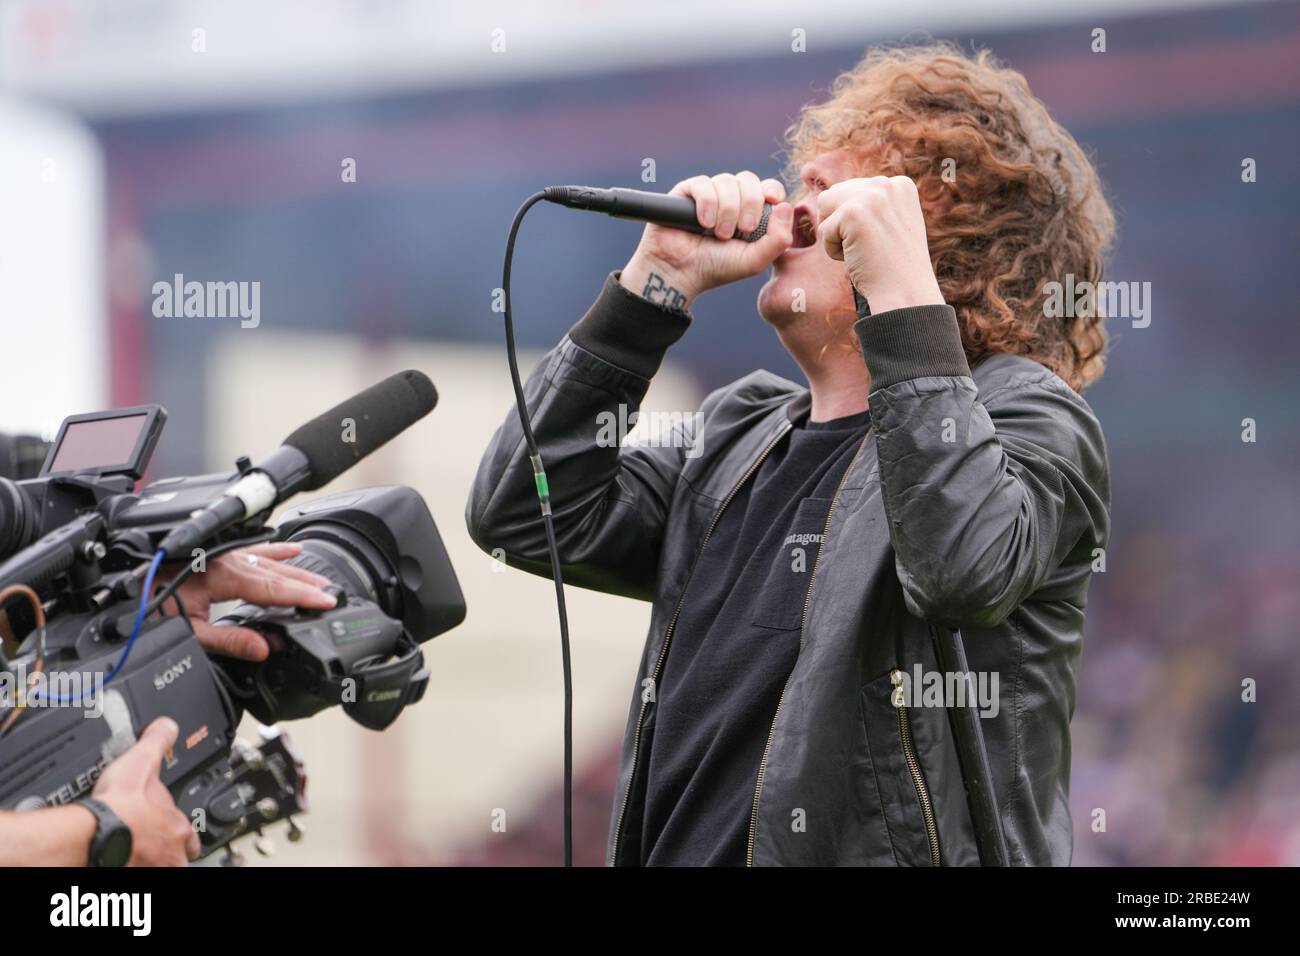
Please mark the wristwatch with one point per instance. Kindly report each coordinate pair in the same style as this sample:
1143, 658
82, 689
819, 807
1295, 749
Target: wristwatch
111, 845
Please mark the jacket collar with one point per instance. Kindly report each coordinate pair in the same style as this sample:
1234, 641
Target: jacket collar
797, 408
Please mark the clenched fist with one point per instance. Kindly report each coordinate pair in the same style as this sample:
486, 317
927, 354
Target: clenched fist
876, 227
672, 267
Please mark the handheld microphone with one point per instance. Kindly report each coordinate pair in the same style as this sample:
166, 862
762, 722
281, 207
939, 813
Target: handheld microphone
676, 212
313, 455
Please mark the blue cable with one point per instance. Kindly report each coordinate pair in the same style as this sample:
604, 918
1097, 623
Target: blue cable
145, 592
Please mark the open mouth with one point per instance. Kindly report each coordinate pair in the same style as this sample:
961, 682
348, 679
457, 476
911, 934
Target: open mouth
805, 229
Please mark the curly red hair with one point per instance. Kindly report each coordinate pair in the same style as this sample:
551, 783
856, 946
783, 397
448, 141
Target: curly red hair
1010, 199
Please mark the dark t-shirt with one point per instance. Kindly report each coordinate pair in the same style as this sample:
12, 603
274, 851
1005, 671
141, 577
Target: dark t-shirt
734, 645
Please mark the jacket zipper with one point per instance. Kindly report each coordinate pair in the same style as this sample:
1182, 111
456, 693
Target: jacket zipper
803, 624
668, 634
914, 765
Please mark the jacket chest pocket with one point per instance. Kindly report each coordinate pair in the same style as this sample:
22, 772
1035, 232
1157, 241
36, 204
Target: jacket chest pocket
779, 604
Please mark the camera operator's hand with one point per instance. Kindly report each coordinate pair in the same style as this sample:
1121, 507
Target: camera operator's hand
688, 264
160, 833
256, 575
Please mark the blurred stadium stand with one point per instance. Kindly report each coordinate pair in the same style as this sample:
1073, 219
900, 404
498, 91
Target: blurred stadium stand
226, 166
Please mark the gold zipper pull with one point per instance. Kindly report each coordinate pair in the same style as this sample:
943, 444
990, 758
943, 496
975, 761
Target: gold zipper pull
896, 678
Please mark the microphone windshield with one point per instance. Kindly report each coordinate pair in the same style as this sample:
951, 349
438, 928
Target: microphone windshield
336, 440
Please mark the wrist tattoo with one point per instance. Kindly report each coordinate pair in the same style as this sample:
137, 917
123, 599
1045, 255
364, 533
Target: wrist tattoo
661, 293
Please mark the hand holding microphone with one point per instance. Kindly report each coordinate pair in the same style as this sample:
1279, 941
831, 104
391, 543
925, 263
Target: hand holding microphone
671, 266
874, 224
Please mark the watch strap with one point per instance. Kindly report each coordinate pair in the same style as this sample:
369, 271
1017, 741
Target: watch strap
107, 826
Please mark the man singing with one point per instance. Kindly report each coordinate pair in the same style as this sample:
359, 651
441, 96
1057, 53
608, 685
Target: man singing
939, 471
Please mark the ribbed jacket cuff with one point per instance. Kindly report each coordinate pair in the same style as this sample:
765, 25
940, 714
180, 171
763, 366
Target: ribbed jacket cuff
914, 342
628, 331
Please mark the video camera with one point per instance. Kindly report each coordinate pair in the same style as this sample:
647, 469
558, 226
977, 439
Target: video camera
95, 664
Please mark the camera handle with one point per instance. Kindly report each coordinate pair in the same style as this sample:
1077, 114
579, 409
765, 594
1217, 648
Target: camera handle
382, 687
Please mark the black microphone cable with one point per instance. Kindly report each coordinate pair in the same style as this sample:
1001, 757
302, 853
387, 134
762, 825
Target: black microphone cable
544, 497
651, 207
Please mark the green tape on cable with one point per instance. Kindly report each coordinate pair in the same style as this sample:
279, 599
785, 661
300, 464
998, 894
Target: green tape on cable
539, 475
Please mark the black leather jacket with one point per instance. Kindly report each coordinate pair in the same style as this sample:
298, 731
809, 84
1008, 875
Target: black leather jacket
978, 501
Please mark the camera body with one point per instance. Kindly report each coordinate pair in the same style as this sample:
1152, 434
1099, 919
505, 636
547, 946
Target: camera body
81, 689
56, 753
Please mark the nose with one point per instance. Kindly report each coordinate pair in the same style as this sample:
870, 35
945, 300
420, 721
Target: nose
810, 175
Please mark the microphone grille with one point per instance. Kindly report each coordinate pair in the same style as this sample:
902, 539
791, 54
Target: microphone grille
378, 414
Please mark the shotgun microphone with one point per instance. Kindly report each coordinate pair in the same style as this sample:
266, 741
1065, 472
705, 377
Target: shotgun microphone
675, 212
314, 455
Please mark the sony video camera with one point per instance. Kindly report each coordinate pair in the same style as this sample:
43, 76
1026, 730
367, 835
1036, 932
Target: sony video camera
96, 662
